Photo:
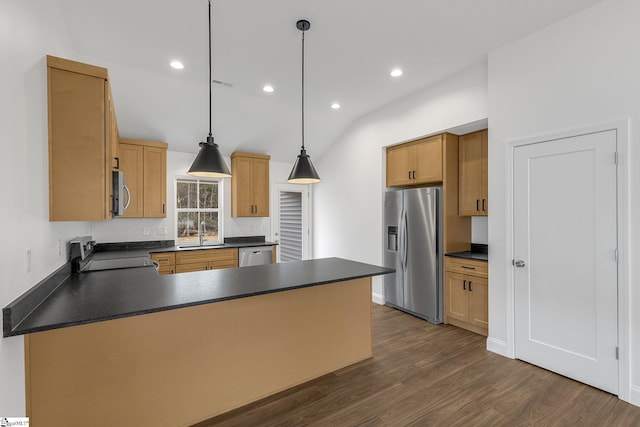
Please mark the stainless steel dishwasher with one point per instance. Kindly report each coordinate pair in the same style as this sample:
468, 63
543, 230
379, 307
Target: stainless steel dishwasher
255, 255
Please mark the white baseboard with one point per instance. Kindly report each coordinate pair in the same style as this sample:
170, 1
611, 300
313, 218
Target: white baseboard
377, 298
497, 346
634, 395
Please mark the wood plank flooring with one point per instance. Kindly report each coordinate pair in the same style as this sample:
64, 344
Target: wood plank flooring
434, 375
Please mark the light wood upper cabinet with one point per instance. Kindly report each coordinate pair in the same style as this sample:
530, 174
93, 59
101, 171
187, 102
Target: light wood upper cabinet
467, 294
249, 185
144, 164
414, 163
81, 128
474, 200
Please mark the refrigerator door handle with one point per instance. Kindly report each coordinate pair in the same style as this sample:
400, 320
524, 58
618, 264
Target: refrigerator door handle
405, 240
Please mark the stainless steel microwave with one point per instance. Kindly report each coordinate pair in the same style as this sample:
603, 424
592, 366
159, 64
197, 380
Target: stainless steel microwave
120, 202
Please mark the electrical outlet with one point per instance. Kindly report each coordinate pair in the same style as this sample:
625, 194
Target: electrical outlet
28, 260
162, 231
146, 231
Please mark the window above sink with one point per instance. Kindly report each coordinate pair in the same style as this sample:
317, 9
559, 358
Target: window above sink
199, 212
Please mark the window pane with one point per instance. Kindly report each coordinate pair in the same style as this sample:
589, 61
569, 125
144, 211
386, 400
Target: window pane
187, 195
187, 227
210, 226
208, 195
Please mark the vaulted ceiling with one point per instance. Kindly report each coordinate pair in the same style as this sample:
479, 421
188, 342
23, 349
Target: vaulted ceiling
350, 49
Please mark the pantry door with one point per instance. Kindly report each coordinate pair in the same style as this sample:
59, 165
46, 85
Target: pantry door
565, 257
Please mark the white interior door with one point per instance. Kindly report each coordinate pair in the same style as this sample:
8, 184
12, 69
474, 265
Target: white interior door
291, 222
565, 248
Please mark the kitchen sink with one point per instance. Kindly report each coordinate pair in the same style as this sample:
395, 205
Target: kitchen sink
219, 245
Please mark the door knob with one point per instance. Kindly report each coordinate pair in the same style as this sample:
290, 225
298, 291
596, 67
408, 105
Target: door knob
519, 263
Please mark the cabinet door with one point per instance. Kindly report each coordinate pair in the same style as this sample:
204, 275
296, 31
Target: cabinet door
131, 164
399, 166
194, 266
470, 174
261, 187
485, 172
478, 301
166, 269
242, 190
428, 160
225, 264
457, 303
78, 167
155, 182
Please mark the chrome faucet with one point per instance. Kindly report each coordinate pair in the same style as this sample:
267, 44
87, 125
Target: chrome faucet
201, 233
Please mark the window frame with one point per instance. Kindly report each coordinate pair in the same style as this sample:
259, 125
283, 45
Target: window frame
220, 209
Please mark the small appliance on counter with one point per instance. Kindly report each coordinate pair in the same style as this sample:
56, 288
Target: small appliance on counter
84, 257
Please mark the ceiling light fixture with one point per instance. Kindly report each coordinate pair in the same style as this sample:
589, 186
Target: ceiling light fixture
335, 106
209, 161
268, 88
303, 171
396, 72
177, 65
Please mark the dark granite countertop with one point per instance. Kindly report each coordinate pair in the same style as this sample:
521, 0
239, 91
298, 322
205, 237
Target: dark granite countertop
478, 252
179, 248
97, 296
469, 255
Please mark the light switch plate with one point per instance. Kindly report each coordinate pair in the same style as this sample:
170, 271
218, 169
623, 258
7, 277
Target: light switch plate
162, 231
146, 231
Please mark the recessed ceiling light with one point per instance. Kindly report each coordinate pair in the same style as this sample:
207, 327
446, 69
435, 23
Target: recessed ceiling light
335, 106
268, 88
177, 65
396, 72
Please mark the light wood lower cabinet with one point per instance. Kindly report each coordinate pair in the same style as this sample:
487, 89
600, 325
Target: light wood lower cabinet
466, 294
195, 260
166, 262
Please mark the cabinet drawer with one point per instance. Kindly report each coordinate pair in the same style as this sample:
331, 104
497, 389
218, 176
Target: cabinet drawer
164, 258
225, 255
466, 266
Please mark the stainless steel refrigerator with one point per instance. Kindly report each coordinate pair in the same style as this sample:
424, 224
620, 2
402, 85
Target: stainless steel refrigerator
413, 231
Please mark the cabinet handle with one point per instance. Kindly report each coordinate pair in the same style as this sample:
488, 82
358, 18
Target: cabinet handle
477, 204
163, 208
466, 267
163, 259
117, 162
414, 174
409, 174
464, 285
470, 290
483, 208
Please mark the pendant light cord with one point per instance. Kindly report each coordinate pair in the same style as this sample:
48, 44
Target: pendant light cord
302, 89
210, 68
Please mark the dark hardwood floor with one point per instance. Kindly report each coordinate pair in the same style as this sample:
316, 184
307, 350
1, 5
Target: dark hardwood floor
427, 375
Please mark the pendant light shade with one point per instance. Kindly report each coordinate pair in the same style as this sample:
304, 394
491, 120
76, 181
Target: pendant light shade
209, 161
303, 171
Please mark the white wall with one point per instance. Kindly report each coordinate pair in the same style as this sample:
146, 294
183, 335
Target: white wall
131, 229
580, 71
29, 30
348, 202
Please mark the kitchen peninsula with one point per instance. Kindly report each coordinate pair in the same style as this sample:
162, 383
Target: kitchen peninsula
178, 349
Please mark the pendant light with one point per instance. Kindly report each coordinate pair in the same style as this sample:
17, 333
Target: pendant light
209, 161
303, 171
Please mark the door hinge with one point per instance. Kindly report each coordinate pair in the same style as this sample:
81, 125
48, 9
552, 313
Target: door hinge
617, 353
617, 255
616, 158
